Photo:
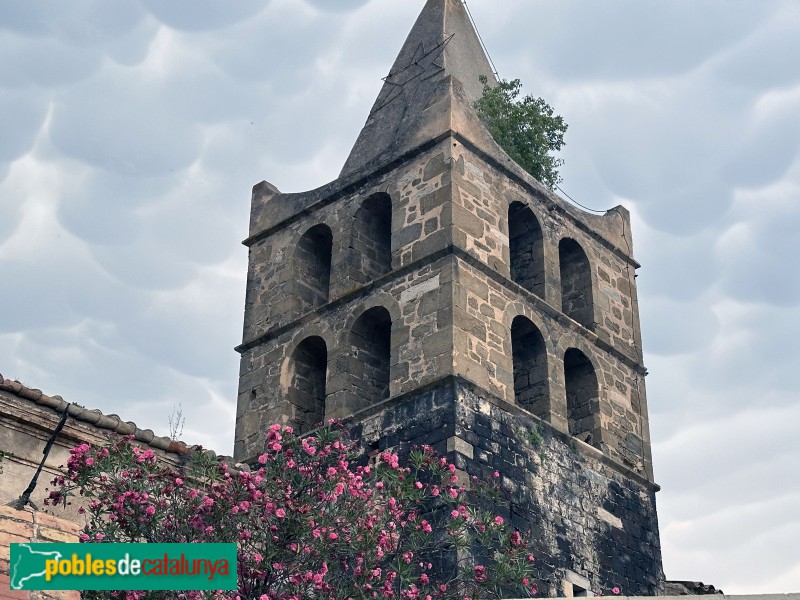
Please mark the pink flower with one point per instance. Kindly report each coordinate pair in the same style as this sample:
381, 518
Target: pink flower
89, 462
178, 481
496, 474
498, 520
150, 510
280, 513
615, 590
262, 459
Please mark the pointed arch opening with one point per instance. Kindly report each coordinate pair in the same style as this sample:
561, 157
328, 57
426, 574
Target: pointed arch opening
372, 238
583, 397
526, 245
370, 340
576, 283
312, 268
531, 381
307, 374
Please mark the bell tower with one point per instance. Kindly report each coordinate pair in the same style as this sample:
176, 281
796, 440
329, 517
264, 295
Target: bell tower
437, 293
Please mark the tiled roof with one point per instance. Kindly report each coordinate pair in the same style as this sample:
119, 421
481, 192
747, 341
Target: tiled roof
95, 418
694, 588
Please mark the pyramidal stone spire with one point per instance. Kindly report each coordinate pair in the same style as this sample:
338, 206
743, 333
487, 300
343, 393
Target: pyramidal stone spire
435, 78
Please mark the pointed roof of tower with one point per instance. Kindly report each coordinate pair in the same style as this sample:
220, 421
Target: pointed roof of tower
442, 46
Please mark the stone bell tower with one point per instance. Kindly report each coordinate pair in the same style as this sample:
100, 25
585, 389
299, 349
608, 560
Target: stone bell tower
436, 293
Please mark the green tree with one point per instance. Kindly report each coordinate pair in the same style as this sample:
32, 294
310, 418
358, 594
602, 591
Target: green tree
525, 128
311, 521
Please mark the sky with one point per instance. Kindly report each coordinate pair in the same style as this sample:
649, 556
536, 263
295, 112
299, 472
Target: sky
131, 133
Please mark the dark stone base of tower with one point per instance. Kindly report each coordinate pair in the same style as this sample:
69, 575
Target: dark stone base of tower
436, 293
592, 521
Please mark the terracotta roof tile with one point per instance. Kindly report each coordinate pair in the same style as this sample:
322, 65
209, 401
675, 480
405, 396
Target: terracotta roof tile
94, 417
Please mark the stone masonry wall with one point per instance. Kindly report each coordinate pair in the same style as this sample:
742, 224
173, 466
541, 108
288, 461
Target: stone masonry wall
592, 520
447, 200
420, 351
482, 197
420, 225
19, 526
484, 310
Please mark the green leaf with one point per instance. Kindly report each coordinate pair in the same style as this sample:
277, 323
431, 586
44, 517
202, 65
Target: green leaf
526, 128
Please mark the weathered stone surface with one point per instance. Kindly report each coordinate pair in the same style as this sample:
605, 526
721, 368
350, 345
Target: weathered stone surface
437, 294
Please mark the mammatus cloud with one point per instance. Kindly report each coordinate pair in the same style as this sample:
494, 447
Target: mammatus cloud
132, 134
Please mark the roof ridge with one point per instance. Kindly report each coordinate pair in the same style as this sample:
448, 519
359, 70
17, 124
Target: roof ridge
95, 417
442, 45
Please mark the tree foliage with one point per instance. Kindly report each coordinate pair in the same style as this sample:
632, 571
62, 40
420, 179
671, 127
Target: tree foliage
525, 128
310, 521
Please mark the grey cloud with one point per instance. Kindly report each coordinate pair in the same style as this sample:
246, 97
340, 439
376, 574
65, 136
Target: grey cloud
759, 367
48, 284
182, 336
131, 48
675, 267
689, 207
201, 15
367, 45
279, 47
756, 265
581, 180
8, 205
677, 328
659, 149
104, 209
768, 149
758, 459
101, 373
746, 366
81, 22
145, 264
767, 58
188, 95
126, 125
43, 62
198, 226
621, 39
337, 5
21, 116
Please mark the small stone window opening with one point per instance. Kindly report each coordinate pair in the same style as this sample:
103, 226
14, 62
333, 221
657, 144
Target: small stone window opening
529, 354
526, 245
576, 283
576, 586
578, 592
372, 238
583, 397
308, 367
370, 340
312, 268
